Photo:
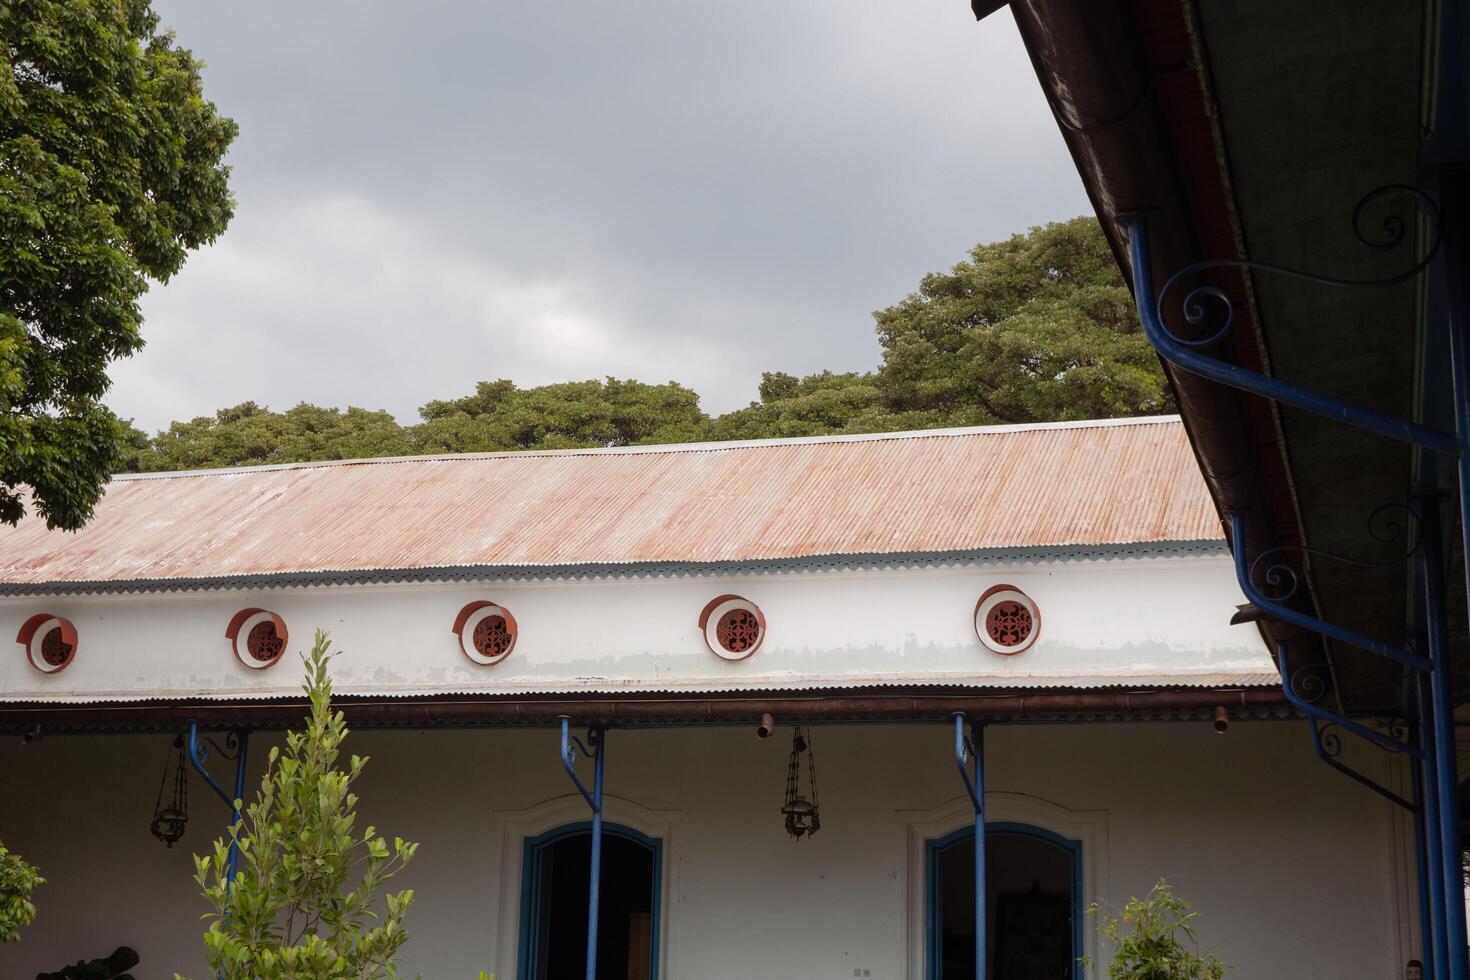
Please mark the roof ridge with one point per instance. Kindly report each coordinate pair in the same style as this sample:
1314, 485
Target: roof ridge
667, 448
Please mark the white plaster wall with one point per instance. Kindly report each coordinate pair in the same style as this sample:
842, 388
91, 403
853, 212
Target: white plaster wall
1126, 620
1290, 863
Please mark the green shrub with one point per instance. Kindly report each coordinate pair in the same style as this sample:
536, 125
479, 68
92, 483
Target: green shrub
304, 905
17, 880
1154, 939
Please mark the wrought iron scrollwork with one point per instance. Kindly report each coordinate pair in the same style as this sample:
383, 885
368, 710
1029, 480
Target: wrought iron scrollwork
1197, 302
230, 751
1188, 352
1274, 605
1278, 580
1328, 746
1298, 687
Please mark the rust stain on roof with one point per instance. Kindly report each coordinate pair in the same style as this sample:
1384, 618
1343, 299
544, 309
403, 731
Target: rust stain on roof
1060, 485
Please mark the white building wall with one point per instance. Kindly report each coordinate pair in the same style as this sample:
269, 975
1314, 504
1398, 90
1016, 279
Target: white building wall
1139, 621
1290, 863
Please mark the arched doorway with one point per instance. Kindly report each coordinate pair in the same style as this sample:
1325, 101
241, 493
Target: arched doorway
1033, 923
554, 879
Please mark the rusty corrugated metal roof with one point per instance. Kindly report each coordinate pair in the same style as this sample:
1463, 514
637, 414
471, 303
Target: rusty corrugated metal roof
1061, 485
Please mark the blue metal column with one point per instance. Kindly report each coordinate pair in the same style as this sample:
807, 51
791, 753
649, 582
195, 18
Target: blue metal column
972, 750
1431, 912
198, 753
1441, 716
596, 742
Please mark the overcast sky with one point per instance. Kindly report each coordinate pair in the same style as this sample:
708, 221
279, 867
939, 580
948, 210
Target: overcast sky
437, 193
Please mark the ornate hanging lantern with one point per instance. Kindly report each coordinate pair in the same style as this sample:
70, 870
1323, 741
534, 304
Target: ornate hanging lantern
802, 816
169, 821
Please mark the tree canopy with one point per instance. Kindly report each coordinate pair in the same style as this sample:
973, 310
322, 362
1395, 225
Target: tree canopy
1036, 328
110, 173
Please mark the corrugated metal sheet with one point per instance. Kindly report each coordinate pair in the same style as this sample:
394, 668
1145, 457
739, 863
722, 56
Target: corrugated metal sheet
1063, 485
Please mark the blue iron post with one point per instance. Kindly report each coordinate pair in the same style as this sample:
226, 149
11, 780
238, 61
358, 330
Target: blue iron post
969, 755
198, 753
593, 749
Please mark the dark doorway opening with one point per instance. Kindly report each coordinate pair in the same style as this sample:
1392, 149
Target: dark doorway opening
554, 905
1032, 925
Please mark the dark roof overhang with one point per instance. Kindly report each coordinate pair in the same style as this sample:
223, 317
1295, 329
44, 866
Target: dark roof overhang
1251, 134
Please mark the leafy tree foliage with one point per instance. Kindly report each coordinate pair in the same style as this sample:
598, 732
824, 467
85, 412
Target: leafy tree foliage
110, 174
304, 903
500, 416
818, 404
1035, 328
17, 880
249, 435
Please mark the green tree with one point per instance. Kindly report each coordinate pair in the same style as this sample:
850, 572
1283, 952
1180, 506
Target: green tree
249, 434
17, 880
1037, 328
1153, 939
500, 417
305, 901
818, 404
110, 173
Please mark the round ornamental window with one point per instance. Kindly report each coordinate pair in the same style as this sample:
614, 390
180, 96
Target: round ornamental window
1006, 620
50, 642
264, 643
492, 638
738, 630
733, 626
486, 632
258, 637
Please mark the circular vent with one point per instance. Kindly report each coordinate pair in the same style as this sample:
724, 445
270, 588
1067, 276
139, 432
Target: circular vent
733, 626
486, 632
1006, 620
264, 643
258, 637
50, 642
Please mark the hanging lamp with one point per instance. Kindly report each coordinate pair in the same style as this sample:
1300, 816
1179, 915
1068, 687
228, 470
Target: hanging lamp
802, 815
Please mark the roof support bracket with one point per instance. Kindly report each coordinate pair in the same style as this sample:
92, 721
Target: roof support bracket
236, 748
1276, 608
1191, 354
1291, 683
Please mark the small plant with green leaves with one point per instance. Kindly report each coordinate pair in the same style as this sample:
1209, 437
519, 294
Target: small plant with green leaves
304, 904
1154, 939
17, 880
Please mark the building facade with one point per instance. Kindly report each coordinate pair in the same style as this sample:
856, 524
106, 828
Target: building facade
768, 636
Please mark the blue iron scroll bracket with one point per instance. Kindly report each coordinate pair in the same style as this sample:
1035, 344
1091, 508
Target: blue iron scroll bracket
1316, 712
1274, 608
1326, 746
1190, 354
593, 749
237, 744
969, 756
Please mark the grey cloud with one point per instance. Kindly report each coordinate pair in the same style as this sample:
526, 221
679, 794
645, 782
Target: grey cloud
434, 194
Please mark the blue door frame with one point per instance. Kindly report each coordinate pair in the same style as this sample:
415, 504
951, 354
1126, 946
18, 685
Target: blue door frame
932, 849
535, 847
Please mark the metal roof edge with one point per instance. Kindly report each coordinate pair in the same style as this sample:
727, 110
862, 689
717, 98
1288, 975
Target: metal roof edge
670, 569
673, 447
